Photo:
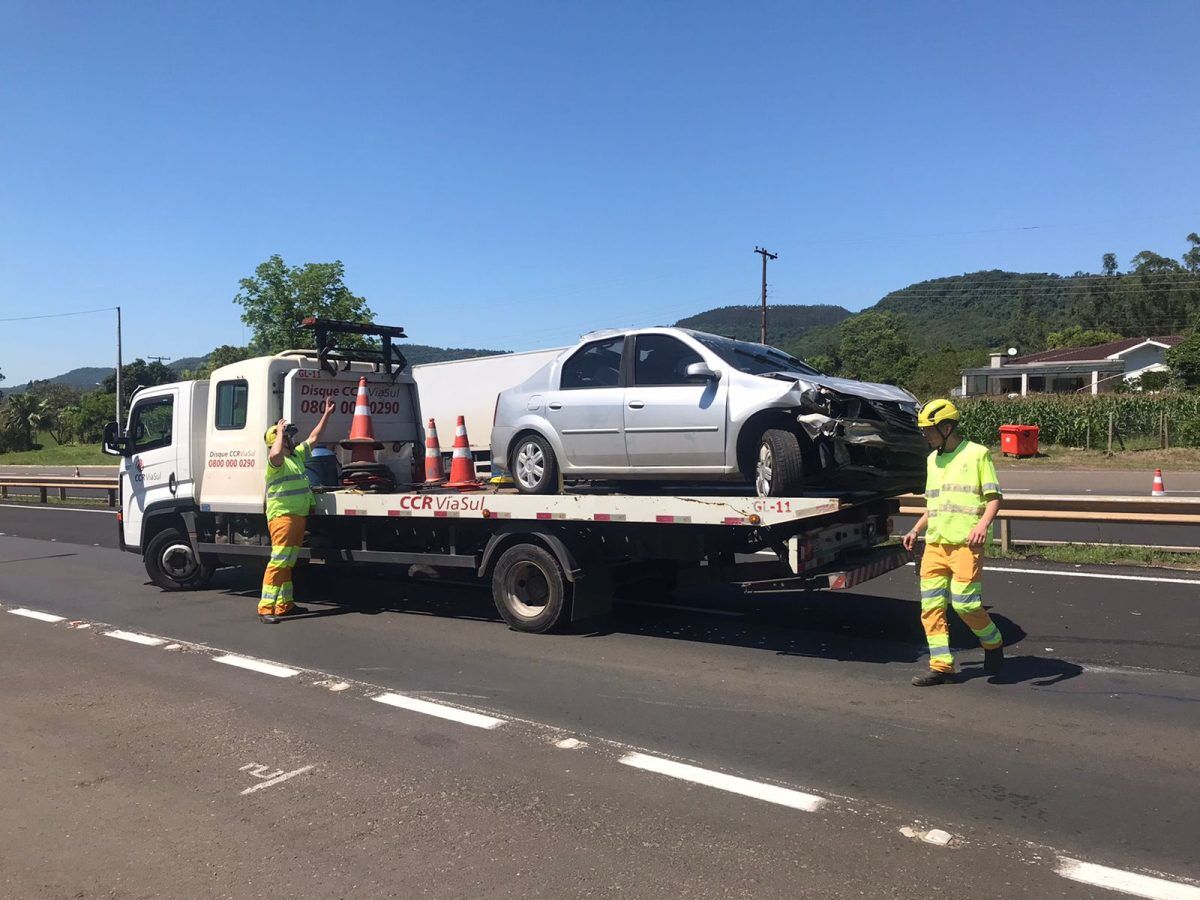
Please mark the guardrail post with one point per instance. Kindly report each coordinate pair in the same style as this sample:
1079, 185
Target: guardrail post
62, 493
3, 491
112, 497
43, 490
1005, 536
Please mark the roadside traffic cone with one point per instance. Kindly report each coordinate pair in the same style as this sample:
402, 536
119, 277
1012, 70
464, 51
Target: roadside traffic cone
433, 456
462, 464
361, 442
1159, 489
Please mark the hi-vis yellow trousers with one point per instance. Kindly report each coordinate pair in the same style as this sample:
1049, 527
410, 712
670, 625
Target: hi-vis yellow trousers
287, 534
952, 573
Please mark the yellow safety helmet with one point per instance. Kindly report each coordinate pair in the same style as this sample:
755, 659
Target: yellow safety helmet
271, 433
935, 412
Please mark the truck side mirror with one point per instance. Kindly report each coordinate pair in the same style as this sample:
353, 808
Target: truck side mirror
702, 370
114, 444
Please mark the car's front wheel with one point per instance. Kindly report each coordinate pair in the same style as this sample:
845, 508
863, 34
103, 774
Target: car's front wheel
533, 466
779, 467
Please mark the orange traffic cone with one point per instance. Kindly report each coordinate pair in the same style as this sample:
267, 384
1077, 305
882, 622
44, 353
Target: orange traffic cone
362, 441
433, 456
1159, 489
462, 464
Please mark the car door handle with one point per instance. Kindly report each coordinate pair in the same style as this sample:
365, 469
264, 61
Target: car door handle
636, 404
554, 405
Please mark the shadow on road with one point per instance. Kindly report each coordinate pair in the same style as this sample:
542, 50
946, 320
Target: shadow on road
1038, 670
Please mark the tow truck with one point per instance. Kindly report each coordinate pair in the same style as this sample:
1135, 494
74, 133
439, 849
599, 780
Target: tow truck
193, 460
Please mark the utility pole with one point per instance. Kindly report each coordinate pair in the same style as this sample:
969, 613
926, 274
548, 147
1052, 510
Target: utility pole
120, 426
159, 358
765, 254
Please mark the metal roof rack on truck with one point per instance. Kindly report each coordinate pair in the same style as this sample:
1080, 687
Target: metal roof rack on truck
386, 358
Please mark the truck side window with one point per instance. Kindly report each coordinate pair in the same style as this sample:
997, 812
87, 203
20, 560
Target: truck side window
150, 424
594, 366
232, 398
662, 360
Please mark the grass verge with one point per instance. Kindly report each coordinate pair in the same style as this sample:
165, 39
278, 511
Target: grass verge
1098, 555
70, 502
53, 454
1049, 457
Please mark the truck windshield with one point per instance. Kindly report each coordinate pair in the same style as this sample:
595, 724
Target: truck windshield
754, 359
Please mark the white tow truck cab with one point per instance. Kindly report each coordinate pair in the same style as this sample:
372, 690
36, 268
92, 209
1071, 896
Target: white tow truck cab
192, 499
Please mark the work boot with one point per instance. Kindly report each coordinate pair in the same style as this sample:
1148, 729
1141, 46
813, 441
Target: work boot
932, 677
274, 618
993, 660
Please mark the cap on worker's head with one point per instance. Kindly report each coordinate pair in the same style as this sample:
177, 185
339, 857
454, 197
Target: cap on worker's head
271, 433
936, 411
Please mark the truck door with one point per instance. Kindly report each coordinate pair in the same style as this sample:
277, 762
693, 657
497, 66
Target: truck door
149, 475
673, 420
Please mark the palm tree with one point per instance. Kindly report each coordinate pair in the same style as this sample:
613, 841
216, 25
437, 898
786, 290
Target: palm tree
23, 417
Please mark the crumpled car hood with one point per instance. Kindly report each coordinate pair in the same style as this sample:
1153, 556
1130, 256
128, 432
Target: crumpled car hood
865, 389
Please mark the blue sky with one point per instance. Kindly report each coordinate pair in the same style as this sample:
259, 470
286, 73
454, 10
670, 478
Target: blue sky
511, 175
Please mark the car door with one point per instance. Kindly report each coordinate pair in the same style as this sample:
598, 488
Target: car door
673, 421
150, 472
586, 410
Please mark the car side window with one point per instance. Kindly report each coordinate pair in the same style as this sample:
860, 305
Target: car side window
150, 424
662, 360
594, 365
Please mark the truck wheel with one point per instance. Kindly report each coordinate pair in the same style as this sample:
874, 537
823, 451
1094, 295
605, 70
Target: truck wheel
173, 566
533, 466
530, 589
779, 470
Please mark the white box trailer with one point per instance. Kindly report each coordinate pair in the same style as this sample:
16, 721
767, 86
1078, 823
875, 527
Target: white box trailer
192, 484
468, 388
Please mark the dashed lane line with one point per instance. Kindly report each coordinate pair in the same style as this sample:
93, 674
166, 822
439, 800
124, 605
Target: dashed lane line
134, 638
1126, 882
256, 665
732, 783
452, 713
34, 614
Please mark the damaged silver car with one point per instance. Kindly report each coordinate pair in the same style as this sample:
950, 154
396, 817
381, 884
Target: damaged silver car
671, 404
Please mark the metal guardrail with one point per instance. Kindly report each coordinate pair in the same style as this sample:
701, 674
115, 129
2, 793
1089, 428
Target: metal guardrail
62, 483
1072, 508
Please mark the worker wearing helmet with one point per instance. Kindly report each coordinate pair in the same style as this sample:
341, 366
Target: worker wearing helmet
289, 501
962, 497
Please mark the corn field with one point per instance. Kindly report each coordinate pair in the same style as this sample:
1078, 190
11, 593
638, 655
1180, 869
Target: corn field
1083, 421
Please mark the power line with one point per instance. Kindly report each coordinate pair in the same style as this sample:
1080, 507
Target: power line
82, 312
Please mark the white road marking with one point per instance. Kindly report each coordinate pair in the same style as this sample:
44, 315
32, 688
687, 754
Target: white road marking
276, 780
134, 638
569, 744
256, 665
1125, 882
106, 512
722, 782
34, 614
453, 713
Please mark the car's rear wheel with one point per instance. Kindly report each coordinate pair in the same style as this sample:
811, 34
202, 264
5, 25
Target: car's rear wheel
533, 466
779, 467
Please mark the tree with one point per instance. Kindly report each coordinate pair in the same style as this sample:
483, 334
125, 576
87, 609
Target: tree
278, 297
1191, 259
937, 374
823, 363
1110, 265
1, 379
220, 356
1076, 336
95, 411
1184, 361
61, 403
138, 373
23, 417
875, 346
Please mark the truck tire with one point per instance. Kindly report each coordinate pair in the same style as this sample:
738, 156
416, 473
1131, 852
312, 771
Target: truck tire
779, 466
533, 466
530, 590
173, 566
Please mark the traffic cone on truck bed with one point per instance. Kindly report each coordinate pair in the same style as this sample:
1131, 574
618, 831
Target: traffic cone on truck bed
1159, 489
363, 471
462, 464
433, 456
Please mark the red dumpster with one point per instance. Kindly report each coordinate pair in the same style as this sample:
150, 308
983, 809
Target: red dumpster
1019, 440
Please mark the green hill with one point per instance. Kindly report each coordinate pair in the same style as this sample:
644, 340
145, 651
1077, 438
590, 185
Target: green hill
786, 324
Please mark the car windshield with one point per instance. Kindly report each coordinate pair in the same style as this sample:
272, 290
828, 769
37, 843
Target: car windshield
754, 359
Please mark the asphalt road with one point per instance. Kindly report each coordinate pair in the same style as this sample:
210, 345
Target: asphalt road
1084, 749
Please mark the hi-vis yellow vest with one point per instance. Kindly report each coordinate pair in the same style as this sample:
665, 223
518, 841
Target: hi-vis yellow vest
958, 486
288, 490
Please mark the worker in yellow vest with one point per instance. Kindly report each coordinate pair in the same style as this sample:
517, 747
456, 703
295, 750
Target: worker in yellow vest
289, 501
962, 497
